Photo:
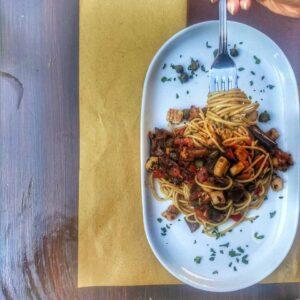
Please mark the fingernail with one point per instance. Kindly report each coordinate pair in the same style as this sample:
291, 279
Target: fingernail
245, 4
231, 7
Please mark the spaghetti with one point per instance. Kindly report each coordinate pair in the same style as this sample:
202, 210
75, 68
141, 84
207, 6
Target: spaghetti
214, 168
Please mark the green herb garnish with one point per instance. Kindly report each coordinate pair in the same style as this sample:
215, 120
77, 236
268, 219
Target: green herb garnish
207, 45
230, 265
233, 51
263, 77
168, 226
215, 53
237, 260
197, 259
215, 272
165, 79
257, 236
195, 242
270, 86
164, 66
187, 92
251, 82
280, 197
240, 249
233, 253
178, 68
194, 65
257, 60
159, 220
272, 214
245, 260
163, 233
234, 268
253, 73
241, 69
203, 69
221, 251
224, 245
177, 96
241, 43
183, 77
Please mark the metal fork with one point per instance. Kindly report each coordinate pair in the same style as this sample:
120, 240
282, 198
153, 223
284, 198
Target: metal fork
223, 74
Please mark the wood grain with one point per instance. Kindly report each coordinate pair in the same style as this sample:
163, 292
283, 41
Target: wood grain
39, 149
39, 163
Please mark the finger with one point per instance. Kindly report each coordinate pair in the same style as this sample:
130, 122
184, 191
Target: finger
245, 4
282, 9
233, 6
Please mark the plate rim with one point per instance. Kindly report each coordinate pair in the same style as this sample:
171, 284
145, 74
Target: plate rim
142, 154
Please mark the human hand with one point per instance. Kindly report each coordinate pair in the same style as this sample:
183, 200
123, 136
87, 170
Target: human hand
290, 8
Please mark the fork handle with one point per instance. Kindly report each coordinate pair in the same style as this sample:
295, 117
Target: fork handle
223, 26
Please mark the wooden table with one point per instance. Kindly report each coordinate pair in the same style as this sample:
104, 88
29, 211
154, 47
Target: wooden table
39, 159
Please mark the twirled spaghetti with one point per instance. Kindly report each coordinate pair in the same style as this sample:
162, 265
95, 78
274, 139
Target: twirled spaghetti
215, 167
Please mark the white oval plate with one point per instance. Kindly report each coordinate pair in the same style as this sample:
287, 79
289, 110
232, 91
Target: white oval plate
177, 249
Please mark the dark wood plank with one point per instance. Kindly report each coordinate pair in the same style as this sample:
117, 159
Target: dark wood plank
39, 149
283, 30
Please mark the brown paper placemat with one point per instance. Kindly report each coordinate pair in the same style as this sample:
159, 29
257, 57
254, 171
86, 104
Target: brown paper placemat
118, 39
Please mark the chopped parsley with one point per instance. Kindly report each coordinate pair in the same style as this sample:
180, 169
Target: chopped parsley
245, 259
168, 226
241, 230
251, 82
207, 45
183, 77
180, 55
257, 236
257, 60
197, 259
215, 272
164, 66
233, 51
163, 229
237, 260
165, 79
233, 253
250, 97
187, 92
159, 220
234, 268
241, 69
203, 69
215, 53
212, 255
266, 198
194, 65
224, 245
241, 43
253, 73
240, 249
272, 214
253, 219
178, 68
177, 96
163, 233
280, 197
195, 242
230, 265
179, 220
263, 77
270, 86
221, 251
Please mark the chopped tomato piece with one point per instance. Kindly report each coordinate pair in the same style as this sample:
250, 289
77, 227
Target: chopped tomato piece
158, 173
229, 153
184, 142
237, 217
192, 169
241, 154
175, 172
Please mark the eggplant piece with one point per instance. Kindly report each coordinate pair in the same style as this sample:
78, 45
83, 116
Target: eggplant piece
192, 226
262, 137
